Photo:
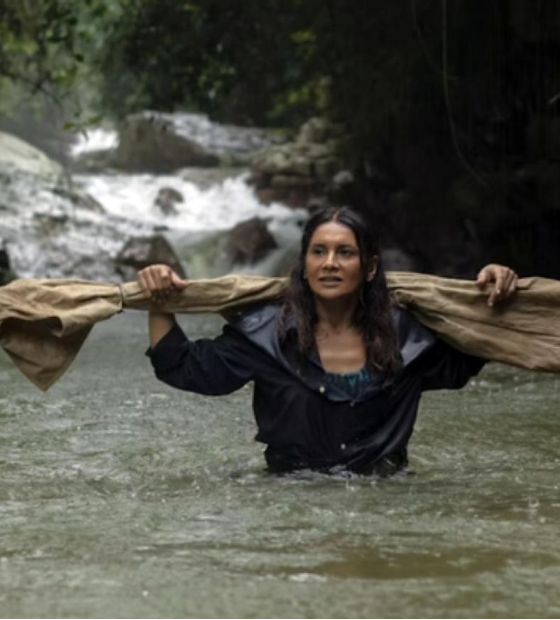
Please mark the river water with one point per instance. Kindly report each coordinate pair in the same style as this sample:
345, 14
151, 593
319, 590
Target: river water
120, 497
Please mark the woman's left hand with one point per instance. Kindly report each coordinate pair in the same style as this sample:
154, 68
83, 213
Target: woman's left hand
504, 282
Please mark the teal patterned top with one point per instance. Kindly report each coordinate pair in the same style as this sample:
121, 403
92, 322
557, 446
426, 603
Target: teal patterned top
352, 383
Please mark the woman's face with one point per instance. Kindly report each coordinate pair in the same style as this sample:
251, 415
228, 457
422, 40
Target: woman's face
333, 265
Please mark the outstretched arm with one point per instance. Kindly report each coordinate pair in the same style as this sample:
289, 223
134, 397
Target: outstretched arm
158, 282
206, 366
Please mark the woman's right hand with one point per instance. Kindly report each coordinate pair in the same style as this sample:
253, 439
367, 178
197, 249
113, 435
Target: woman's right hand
158, 281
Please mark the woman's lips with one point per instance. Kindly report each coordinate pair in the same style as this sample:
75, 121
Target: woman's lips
330, 281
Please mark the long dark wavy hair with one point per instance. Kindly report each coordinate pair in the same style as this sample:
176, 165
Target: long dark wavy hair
373, 316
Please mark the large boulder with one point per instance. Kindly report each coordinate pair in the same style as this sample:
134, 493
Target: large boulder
150, 142
19, 156
298, 172
164, 142
249, 242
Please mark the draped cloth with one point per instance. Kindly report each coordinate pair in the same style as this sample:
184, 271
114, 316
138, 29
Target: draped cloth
44, 323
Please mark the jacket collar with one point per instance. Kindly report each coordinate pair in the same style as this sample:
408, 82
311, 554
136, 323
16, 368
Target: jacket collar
260, 326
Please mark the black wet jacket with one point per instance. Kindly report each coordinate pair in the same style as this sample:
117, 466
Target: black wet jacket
305, 421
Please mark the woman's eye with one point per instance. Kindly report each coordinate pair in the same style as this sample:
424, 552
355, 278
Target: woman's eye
317, 251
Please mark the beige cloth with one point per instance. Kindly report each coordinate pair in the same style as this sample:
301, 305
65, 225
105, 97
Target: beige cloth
43, 323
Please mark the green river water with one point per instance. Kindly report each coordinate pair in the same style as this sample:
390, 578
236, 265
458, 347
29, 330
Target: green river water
121, 497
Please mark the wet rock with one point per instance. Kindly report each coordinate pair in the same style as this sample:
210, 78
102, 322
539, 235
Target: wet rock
17, 155
249, 242
150, 142
315, 130
166, 200
296, 172
140, 252
291, 180
268, 195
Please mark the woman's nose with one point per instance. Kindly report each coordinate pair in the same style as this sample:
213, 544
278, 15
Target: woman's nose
331, 260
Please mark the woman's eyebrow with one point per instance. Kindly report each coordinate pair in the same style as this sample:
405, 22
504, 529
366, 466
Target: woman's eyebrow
338, 245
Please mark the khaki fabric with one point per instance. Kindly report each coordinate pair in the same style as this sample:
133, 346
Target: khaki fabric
43, 323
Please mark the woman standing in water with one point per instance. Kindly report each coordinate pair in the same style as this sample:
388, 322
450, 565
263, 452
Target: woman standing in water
338, 372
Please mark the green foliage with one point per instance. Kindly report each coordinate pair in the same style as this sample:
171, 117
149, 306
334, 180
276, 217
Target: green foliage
38, 44
49, 51
384, 69
236, 60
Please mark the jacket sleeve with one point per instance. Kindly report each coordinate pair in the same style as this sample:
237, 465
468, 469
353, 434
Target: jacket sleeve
447, 368
204, 366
